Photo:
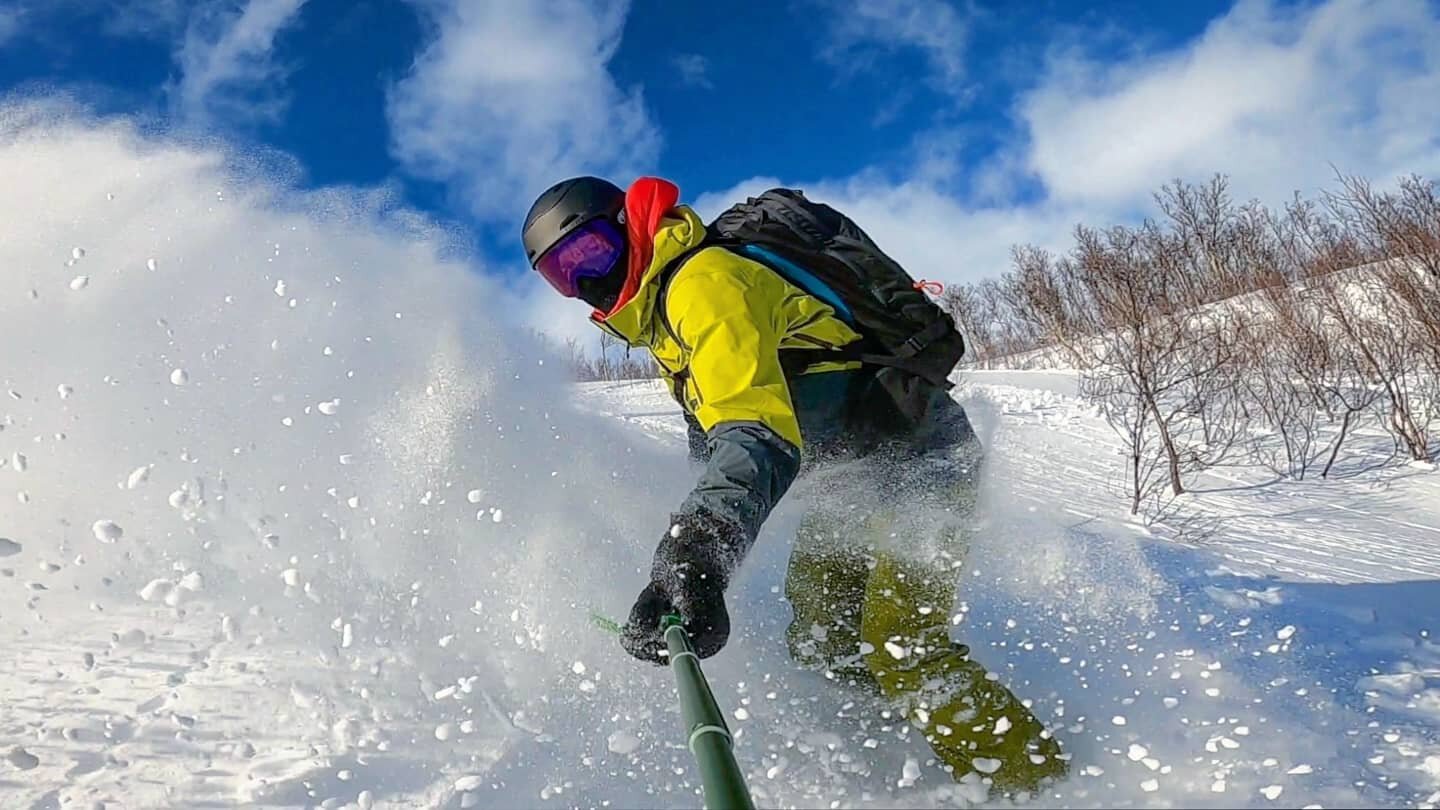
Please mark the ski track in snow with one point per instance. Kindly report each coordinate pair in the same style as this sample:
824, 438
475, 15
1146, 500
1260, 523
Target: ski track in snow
305, 530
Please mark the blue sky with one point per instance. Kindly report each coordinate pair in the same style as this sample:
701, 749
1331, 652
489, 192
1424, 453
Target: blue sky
950, 129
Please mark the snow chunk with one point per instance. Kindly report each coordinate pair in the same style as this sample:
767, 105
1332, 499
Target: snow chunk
22, 759
623, 742
64, 390
157, 590
896, 651
1118, 720
910, 772
1285, 632
986, 765
179, 377
1002, 725
467, 783
19, 462
1272, 792
444, 731
329, 407
1300, 770
107, 531
1150, 785
1137, 752
474, 495
79, 283
137, 476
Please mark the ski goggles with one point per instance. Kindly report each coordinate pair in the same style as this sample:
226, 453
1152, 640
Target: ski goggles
589, 251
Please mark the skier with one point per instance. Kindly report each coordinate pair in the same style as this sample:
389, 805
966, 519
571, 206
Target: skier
768, 373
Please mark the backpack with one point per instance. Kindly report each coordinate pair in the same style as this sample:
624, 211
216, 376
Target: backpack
824, 253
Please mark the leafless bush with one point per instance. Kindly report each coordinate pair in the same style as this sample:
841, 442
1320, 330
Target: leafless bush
1278, 356
614, 361
965, 305
1050, 310
1125, 410
1177, 361
1398, 306
1220, 319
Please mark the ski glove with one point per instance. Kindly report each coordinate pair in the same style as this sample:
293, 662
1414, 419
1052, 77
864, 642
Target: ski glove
688, 577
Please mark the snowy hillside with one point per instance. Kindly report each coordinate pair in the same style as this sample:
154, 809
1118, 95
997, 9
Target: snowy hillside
292, 518
1287, 659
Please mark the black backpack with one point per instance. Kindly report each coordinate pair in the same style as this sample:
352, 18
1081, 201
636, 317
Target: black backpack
824, 253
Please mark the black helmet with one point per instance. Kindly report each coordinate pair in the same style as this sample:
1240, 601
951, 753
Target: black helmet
566, 206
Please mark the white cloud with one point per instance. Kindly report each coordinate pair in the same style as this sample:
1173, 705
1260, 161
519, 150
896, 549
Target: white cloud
226, 64
1271, 96
860, 28
1276, 98
933, 234
512, 95
694, 70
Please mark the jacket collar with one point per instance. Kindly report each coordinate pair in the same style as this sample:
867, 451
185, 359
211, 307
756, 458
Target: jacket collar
679, 229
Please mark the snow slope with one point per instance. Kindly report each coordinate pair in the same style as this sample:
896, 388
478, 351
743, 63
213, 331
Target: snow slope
291, 518
1286, 657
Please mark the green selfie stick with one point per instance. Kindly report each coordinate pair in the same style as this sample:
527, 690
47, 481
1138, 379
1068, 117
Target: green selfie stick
710, 739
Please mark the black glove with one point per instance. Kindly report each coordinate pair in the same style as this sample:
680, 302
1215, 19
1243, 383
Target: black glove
692, 567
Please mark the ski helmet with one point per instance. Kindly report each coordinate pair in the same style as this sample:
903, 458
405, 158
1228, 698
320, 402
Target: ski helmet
566, 206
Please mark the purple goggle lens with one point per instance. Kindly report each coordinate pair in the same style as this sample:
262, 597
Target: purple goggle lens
590, 250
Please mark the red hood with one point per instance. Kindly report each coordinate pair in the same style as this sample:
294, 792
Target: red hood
646, 203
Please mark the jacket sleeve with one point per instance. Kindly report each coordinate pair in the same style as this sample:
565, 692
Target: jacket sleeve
738, 394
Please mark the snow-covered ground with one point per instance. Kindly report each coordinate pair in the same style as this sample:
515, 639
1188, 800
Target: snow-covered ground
1276, 647
292, 518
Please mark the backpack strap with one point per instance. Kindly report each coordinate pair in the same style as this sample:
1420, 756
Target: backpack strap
921, 340
795, 361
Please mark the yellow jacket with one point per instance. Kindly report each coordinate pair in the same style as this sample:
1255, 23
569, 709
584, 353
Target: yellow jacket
719, 330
